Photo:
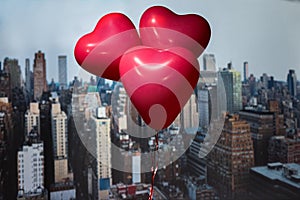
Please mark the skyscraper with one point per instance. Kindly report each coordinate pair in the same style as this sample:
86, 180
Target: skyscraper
62, 72
246, 71
28, 76
209, 62
292, 82
60, 142
207, 105
233, 87
101, 124
32, 118
39, 73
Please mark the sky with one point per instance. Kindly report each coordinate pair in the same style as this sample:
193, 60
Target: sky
266, 33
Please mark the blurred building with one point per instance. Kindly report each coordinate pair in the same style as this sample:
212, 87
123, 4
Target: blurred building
231, 158
62, 72
209, 62
207, 105
246, 71
39, 75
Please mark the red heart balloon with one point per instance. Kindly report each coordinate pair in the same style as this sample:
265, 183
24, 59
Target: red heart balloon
159, 82
99, 52
162, 28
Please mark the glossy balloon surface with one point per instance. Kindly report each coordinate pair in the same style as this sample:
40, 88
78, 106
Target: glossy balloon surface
159, 82
162, 28
99, 52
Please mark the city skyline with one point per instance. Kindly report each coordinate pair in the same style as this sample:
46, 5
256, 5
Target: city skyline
268, 47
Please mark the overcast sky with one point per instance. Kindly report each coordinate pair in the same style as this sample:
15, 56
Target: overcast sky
266, 33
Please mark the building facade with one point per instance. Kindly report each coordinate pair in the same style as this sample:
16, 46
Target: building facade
100, 123
231, 158
32, 118
233, 88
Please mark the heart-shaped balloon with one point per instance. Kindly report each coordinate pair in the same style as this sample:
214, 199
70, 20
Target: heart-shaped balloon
162, 28
99, 52
159, 82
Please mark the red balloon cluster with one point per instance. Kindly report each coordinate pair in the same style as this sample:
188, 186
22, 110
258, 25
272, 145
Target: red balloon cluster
158, 65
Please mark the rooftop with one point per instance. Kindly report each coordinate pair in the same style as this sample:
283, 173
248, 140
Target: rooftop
280, 172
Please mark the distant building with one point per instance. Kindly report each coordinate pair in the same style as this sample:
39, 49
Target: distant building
209, 62
246, 71
12, 67
28, 74
275, 181
233, 87
252, 85
32, 118
292, 82
39, 75
231, 158
62, 72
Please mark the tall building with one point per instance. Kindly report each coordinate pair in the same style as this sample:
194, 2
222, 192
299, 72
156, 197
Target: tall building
62, 72
60, 143
31, 167
246, 71
39, 75
28, 76
209, 62
101, 124
207, 105
231, 158
233, 88
292, 82
32, 118
12, 67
